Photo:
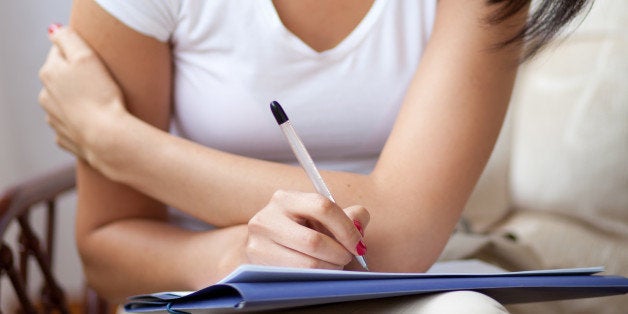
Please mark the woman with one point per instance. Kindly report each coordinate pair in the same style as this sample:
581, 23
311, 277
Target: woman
407, 140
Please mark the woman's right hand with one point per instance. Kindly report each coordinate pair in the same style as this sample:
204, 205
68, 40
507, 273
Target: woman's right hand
306, 230
79, 95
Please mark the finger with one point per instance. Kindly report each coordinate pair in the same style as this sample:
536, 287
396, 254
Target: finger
68, 145
44, 98
360, 217
52, 28
317, 208
266, 252
57, 125
47, 71
316, 244
71, 45
316, 226
61, 132
49, 104
295, 236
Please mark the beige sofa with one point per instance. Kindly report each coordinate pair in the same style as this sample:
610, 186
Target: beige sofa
555, 192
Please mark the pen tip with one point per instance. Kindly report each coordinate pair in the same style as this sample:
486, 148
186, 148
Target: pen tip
278, 112
362, 262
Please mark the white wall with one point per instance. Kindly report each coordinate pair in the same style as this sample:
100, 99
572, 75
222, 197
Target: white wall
23, 48
26, 143
6, 157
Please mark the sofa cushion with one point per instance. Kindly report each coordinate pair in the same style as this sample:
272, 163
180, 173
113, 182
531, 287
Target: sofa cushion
570, 124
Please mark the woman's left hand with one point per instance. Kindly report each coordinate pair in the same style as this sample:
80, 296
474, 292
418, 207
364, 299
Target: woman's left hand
79, 95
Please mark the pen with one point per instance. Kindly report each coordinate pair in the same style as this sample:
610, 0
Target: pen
304, 158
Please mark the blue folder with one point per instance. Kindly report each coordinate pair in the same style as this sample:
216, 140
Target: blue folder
265, 288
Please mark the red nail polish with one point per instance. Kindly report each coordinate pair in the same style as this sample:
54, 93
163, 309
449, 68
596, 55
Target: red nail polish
361, 248
358, 225
53, 28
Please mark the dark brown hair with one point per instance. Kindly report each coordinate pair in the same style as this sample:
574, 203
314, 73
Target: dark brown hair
544, 22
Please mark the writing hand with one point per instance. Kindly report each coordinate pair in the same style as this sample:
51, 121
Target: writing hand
305, 230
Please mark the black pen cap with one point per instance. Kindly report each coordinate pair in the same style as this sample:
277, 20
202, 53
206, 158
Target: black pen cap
278, 112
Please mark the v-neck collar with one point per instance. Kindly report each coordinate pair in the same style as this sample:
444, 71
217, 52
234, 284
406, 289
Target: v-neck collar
346, 45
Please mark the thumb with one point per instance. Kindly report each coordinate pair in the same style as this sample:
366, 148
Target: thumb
70, 43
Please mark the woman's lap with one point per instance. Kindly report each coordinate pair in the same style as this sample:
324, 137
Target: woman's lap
441, 303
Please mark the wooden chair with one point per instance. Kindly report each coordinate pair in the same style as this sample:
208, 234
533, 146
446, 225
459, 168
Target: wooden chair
16, 205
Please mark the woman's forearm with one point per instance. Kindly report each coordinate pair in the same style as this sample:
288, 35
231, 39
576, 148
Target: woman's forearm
171, 258
220, 188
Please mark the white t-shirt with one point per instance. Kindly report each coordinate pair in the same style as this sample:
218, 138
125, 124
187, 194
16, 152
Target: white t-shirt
233, 57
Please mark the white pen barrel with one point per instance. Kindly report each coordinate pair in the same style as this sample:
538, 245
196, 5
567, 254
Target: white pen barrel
305, 160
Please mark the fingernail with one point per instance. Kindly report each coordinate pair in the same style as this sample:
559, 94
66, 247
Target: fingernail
361, 248
53, 28
358, 225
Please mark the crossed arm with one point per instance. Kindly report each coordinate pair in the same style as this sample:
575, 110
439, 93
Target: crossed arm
130, 167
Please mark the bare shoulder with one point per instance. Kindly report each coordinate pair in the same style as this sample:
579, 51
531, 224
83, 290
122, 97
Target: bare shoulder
141, 65
467, 24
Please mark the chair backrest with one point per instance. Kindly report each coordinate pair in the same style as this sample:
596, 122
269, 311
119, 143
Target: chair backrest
16, 205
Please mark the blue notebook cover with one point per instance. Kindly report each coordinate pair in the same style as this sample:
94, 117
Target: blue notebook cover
253, 287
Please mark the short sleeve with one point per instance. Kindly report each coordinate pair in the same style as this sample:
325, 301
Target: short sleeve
154, 18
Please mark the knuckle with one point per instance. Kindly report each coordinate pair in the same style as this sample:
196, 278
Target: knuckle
41, 73
313, 241
252, 245
323, 204
44, 73
253, 249
42, 97
255, 223
84, 56
279, 195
